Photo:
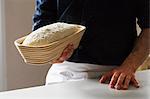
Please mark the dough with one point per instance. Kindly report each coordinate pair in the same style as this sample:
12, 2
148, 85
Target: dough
50, 33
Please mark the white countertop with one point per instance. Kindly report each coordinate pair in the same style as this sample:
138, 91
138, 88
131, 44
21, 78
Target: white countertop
87, 89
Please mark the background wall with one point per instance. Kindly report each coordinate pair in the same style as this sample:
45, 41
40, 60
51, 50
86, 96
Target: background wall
18, 15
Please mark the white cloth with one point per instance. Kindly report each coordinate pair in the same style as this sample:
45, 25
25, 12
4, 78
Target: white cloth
70, 71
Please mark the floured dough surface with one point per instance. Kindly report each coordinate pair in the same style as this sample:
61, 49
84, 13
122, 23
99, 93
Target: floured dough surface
50, 33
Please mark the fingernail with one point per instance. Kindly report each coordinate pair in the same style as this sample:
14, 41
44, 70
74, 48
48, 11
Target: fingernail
137, 86
117, 87
111, 86
61, 59
125, 87
101, 81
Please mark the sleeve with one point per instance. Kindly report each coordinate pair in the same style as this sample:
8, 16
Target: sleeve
45, 13
143, 13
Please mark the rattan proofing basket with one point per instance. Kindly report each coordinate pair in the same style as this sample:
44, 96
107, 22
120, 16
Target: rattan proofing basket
48, 53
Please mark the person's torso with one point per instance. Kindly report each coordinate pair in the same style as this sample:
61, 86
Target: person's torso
111, 29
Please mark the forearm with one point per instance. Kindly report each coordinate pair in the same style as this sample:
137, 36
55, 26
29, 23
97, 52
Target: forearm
140, 51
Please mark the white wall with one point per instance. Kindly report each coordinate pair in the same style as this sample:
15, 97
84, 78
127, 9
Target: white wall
2, 48
18, 14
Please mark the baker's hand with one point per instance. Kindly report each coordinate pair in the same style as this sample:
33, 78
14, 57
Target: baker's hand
120, 78
66, 54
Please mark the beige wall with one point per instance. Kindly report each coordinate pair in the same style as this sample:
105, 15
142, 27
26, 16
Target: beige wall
18, 23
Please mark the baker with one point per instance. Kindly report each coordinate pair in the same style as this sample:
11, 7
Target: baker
110, 43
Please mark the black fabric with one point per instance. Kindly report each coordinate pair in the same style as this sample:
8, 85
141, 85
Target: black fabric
111, 26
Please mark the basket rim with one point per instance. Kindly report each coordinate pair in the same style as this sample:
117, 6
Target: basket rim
81, 28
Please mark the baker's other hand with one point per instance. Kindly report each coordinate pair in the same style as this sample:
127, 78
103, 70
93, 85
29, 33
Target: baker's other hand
120, 78
66, 54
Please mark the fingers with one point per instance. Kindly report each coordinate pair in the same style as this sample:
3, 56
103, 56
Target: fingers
135, 82
119, 81
127, 82
70, 51
106, 77
124, 82
67, 52
114, 79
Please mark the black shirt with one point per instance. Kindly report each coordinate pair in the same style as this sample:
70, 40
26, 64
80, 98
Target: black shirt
111, 26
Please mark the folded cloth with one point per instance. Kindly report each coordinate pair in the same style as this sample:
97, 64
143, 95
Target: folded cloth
70, 71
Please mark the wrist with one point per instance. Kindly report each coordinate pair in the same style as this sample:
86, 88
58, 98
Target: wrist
130, 66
